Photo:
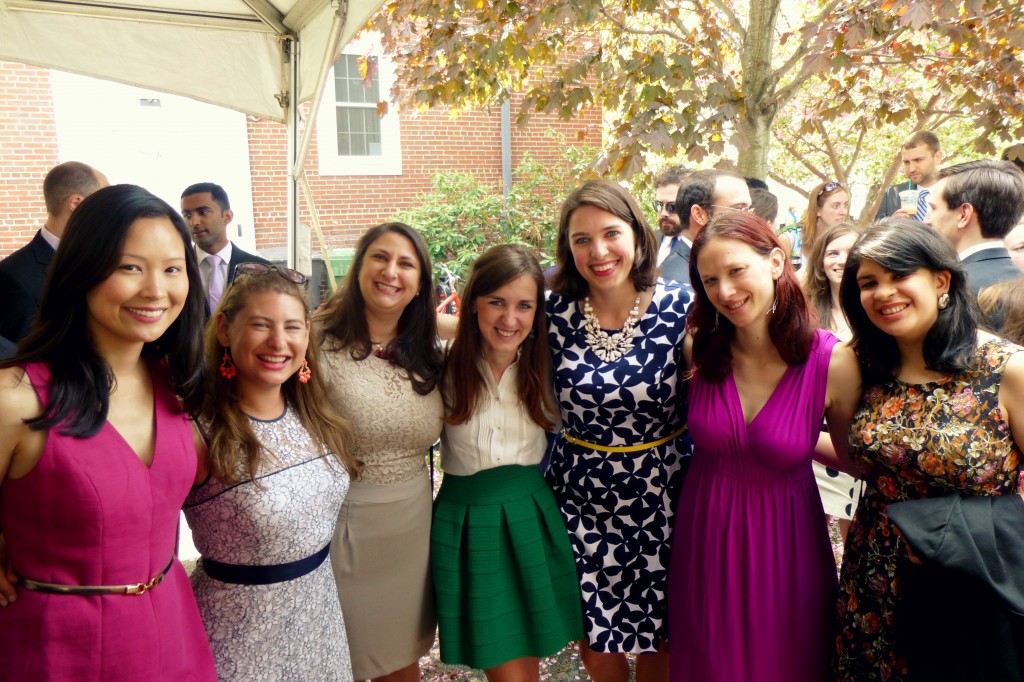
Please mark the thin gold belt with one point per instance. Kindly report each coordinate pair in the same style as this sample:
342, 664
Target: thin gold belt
623, 448
136, 589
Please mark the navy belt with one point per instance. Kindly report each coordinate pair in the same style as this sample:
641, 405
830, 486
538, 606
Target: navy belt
264, 575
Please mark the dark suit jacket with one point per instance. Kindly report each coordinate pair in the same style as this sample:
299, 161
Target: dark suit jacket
676, 266
891, 200
971, 583
237, 256
986, 268
22, 275
7, 348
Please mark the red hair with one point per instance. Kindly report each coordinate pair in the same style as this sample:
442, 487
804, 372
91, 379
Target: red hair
792, 326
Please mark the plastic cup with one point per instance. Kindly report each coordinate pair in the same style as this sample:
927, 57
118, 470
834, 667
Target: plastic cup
908, 199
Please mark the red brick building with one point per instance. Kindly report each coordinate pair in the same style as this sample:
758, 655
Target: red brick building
347, 203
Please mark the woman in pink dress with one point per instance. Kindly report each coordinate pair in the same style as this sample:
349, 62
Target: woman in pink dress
97, 454
752, 578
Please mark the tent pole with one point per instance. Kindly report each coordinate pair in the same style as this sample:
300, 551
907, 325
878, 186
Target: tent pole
291, 48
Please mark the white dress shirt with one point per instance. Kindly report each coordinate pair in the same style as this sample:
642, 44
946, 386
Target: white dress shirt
666, 246
499, 433
204, 266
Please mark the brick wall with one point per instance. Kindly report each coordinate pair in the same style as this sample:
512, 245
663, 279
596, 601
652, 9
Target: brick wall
431, 142
347, 205
28, 149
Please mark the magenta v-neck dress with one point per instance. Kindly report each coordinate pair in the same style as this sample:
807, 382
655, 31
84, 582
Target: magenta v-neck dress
91, 513
752, 578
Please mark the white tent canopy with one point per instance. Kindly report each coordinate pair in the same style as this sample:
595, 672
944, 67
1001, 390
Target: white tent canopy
261, 57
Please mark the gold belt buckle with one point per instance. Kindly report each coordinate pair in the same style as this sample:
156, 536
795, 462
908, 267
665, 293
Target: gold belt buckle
142, 588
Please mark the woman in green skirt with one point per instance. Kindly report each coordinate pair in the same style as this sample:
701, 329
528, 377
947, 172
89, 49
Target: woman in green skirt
504, 575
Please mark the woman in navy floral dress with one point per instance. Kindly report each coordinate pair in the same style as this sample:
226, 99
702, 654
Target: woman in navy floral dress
942, 412
617, 466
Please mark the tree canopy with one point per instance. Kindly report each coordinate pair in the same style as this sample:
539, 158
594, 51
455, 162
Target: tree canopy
697, 75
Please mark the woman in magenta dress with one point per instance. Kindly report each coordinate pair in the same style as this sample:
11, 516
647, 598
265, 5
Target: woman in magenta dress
752, 578
97, 454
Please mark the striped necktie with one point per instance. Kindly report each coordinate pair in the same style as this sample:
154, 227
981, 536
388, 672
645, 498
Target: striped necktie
922, 205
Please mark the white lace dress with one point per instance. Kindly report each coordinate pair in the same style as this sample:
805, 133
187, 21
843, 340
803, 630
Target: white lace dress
381, 546
290, 630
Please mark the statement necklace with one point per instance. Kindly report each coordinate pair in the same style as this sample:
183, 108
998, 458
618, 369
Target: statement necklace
382, 351
609, 348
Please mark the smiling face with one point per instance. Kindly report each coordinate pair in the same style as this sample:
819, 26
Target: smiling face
145, 293
268, 338
389, 277
505, 316
834, 209
902, 306
739, 281
603, 248
834, 259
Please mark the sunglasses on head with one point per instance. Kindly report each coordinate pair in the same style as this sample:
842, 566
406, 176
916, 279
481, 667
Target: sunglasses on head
830, 186
259, 269
669, 206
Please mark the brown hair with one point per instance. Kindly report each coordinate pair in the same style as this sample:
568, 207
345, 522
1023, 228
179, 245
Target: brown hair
415, 348
817, 198
819, 290
612, 198
233, 446
1006, 298
923, 138
498, 266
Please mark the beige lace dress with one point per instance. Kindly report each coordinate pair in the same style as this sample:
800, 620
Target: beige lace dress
380, 551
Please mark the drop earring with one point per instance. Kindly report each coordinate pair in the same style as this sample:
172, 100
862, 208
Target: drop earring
305, 373
227, 366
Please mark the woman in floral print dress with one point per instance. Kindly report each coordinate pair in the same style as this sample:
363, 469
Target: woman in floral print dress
942, 410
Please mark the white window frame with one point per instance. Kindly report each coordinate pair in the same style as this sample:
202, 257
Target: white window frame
390, 160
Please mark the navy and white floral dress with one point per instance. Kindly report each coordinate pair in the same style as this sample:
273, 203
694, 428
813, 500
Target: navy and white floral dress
619, 506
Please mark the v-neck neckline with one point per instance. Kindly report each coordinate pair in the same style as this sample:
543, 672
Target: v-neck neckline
760, 411
156, 432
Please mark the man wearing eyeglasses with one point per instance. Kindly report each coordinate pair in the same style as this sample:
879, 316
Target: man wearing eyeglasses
207, 213
701, 196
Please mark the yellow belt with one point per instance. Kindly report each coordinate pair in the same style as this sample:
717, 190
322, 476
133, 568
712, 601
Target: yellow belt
623, 448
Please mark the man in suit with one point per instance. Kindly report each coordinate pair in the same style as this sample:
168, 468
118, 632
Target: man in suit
922, 155
672, 247
975, 205
207, 212
23, 273
701, 196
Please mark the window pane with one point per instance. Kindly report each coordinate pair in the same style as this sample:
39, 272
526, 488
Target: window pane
356, 121
342, 121
358, 145
343, 146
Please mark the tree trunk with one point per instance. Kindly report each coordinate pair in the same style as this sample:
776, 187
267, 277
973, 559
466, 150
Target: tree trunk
758, 113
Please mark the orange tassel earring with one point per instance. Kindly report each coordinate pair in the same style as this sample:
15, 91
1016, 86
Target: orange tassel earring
227, 366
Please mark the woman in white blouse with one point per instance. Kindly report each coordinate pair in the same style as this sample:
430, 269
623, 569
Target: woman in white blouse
504, 576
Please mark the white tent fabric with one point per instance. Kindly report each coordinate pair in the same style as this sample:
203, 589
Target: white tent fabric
238, 54
225, 52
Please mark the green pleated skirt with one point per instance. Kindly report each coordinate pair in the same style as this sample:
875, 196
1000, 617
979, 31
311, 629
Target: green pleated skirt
504, 574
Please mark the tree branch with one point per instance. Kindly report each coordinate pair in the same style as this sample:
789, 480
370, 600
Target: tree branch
830, 150
786, 183
734, 20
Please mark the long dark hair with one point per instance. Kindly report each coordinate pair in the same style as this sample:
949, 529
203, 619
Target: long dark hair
233, 447
791, 327
498, 266
92, 246
612, 198
415, 349
904, 246
819, 288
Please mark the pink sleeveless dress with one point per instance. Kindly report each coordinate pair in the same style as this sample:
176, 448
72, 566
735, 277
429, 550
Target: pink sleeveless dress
752, 578
91, 513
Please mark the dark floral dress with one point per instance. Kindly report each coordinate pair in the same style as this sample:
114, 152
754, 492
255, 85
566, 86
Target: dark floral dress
914, 441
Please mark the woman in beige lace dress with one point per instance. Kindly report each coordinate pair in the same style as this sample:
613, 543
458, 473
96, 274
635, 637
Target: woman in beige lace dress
382, 364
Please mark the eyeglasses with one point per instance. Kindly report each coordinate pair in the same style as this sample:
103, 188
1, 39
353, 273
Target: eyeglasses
259, 269
740, 209
669, 206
